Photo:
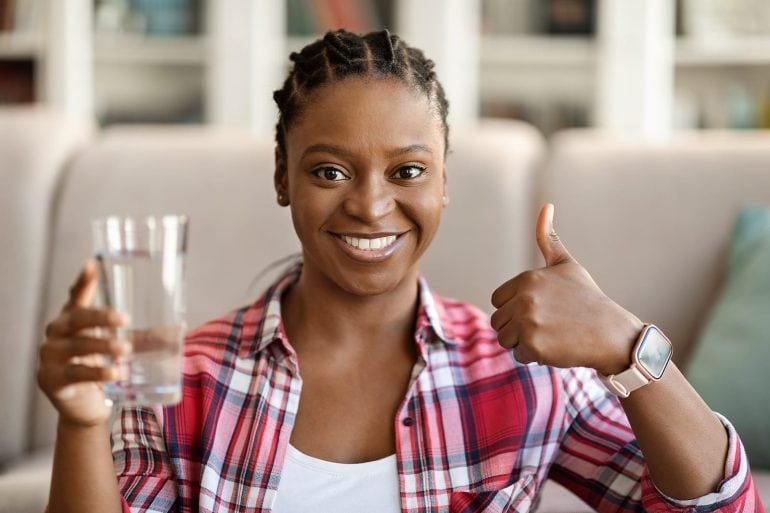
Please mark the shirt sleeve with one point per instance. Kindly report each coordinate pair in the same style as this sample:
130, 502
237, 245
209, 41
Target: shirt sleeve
600, 461
145, 474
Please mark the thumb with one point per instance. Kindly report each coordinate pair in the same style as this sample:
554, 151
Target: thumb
548, 241
82, 291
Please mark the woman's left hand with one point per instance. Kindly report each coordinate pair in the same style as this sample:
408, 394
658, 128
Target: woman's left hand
557, 315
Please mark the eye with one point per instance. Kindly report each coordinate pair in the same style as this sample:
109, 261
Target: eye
408, 172
331, 174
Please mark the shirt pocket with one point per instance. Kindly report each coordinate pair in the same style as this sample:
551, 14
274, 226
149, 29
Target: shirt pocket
518, 496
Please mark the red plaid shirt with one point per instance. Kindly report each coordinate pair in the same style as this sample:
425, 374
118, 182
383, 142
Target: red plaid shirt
477, 431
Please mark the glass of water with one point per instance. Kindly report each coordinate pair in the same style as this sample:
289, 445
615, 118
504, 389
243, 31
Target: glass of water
141, 265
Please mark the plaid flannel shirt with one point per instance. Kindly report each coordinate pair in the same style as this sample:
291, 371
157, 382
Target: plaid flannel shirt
477, 431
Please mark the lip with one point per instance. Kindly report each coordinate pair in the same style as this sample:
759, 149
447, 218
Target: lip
372, 255
373, 235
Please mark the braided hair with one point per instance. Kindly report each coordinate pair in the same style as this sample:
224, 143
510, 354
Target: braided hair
340, 54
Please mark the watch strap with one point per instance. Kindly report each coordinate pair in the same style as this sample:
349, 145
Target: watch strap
624, 383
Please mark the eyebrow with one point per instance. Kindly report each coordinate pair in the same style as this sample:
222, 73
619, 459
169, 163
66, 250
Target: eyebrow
342, 152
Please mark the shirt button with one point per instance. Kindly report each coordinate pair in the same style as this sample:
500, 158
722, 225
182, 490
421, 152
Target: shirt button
408, 421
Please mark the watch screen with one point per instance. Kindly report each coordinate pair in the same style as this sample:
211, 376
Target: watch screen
654, 352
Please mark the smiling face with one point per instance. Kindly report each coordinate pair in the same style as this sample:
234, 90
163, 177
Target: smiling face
364, 175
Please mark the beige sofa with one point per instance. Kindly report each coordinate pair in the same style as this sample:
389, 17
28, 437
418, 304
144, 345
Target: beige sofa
651, 223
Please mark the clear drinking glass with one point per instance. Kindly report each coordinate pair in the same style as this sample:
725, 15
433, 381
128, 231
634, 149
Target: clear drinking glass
141, 263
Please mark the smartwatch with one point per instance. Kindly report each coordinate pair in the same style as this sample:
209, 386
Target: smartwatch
649, 359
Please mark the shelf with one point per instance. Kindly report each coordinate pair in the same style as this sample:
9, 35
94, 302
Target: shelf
14, 45
744, 51
129, 49
541, 51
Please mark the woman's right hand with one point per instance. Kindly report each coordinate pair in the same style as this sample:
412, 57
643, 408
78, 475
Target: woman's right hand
72, 359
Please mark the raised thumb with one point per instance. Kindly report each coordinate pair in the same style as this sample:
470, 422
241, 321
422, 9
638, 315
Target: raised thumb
548, 241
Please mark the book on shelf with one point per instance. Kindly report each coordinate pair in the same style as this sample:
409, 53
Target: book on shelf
556, 17
17, 81
157, 18
168, 17
312, 17
6, 15
570, 17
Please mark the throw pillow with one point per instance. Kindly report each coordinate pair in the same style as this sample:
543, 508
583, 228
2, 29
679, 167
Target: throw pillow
731, 366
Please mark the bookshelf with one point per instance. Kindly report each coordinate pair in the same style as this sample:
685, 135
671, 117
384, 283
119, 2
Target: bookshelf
500, 57
710, 75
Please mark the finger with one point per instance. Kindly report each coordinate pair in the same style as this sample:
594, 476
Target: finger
508, 337
74, 320
62, 349
53, 377
548, 241
82, 291
523, 355
505, 292
78, 373
501, 317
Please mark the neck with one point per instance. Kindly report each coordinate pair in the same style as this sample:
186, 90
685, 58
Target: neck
319, 315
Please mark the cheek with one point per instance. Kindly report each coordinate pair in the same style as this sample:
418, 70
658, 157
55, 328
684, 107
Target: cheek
309, 212
426, 211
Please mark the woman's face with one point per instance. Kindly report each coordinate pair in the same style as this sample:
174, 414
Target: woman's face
364, 173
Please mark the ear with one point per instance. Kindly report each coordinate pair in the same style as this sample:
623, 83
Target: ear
281, 178
446, 190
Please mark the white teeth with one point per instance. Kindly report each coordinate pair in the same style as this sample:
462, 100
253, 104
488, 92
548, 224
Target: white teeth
369, 244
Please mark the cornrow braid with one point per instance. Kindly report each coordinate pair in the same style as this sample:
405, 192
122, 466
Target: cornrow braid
339, 54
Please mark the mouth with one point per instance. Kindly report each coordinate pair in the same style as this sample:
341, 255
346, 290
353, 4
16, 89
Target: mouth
368, 243
370, 247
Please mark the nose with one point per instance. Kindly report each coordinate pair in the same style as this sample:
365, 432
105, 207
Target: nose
370, 199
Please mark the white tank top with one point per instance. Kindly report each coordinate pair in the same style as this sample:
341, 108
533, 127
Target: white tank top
310, 484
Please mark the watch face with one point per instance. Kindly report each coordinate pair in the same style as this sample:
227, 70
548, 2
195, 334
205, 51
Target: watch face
654, 352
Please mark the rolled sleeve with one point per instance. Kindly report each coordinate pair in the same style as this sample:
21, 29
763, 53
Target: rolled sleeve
145, 475
736, 492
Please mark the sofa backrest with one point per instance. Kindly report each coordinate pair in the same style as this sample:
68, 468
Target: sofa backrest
223, 181
34, 145
652, 221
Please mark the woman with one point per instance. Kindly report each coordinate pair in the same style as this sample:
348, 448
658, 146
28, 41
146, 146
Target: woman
405, 401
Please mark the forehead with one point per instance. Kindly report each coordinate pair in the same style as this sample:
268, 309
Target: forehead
372, 112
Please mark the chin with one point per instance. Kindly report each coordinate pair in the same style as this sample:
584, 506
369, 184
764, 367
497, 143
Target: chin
372, 283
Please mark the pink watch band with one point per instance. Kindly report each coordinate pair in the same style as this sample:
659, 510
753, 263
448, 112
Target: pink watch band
626, 382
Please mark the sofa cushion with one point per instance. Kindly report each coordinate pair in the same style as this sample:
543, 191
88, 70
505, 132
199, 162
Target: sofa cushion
34, 146
651, 221
730, 366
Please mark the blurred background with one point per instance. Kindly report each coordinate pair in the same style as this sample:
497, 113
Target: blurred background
666, 203
649, 66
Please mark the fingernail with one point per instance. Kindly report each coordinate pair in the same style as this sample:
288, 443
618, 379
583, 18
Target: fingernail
550, 217
116, 317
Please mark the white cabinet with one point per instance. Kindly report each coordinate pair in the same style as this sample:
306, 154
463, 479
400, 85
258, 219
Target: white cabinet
225, 75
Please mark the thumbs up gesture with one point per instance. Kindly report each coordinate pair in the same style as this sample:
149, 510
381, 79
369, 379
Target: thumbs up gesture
557, 315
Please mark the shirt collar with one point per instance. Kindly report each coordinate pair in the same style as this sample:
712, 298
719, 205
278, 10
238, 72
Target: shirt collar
270, 325
432, 316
